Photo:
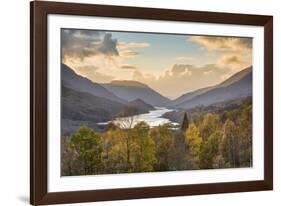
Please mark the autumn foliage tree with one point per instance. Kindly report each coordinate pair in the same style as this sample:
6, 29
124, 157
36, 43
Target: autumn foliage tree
209, 150
87, 145
163, 138
230, 144
194, 141
143, 148
207, 140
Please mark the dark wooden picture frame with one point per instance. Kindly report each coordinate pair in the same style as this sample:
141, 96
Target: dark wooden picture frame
38, 102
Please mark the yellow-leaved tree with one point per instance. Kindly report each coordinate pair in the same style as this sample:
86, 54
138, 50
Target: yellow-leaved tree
193, 140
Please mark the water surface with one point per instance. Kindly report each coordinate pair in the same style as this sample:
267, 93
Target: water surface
152, 118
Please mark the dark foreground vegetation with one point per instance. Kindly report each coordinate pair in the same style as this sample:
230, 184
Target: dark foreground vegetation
206, 140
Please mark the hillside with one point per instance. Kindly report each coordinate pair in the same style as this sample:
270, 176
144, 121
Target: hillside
134, 107
188, 96
80, 107
131, 90
74, 81
237, 86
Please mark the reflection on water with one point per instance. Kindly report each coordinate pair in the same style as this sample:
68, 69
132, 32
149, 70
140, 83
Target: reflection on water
153, 119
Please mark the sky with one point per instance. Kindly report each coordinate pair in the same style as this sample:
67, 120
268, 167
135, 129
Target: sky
171, 64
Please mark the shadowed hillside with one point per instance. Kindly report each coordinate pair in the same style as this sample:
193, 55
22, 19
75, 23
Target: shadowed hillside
74, 81
236, 87
131, 90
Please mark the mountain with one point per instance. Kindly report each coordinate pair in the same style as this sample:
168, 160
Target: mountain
131, 90
74, 81
128, 83
134, 107
189, 96
237, 77
237, 86
84, 107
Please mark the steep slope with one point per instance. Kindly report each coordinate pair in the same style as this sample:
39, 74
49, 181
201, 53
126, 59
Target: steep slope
188, 96
131, 90
83, 109
236, 77
237, 86
74, 81
83, 106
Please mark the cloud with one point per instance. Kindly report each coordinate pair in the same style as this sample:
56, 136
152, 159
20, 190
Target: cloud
109, 45
232, 60
93, 73
95, 54
183, 78
183, 58
234, 53
128, 53
125, 48
179, 70
81, 48
235, 61
233, 44
127, 66
127, 45
223, 43
86, 43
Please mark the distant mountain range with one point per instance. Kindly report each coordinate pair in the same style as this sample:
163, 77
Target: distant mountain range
85, 102
237, 86
74, 81
131, 90
81, 108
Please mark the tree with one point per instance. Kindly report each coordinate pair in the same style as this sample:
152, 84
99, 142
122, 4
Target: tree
143, 148
193, 140
245, 135
209, 125
164, 139
126, 121
114, 155
231, 115
210, 150
87, 145
185, 123
179, 158
213, 140
230, 144
111, 127
68, 159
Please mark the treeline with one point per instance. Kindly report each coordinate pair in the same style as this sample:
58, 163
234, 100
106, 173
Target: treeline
203, 142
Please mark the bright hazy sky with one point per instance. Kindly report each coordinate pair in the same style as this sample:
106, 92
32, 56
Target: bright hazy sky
169, 63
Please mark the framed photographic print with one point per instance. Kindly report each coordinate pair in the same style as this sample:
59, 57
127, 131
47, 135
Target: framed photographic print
131, 102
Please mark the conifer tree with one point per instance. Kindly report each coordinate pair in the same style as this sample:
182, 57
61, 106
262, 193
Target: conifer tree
185, 123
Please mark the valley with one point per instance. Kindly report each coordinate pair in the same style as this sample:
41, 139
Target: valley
88, 103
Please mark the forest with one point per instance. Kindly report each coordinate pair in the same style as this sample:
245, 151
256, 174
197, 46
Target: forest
204, 140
